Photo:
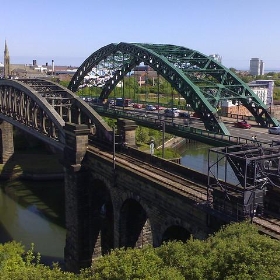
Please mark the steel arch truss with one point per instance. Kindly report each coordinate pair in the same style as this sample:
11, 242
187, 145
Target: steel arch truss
42, 108
202, 81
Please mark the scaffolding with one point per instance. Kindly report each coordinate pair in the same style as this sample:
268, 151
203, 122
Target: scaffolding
256, 169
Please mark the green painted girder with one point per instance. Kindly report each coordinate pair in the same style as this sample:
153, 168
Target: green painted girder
202, 81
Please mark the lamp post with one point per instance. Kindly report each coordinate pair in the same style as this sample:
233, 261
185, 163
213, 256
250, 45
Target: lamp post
114, 149
158, 93
163, 137
237, 110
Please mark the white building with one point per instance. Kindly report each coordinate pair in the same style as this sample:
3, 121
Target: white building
264, 90
256, 67
216, 57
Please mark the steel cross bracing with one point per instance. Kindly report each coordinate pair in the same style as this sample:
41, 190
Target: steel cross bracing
202, 81
256, 167
42, 108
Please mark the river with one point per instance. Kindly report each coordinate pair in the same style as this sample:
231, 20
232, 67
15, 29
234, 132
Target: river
33, 212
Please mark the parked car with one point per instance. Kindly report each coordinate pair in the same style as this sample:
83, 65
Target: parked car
242, 124
274, 130
150, 108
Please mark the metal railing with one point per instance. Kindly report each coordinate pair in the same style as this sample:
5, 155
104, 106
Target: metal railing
182, 130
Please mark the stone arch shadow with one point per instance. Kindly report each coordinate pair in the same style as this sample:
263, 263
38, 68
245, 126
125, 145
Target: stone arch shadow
99, 223
135, 225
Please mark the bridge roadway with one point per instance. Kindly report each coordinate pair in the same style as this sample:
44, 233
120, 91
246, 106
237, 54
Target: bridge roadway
180, 183
192, 128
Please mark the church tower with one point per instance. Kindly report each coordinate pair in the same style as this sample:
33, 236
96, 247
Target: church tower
7, 71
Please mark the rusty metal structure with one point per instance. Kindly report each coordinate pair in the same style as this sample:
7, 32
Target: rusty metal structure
251, 170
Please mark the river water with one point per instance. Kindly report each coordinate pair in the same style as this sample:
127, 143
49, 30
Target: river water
33, 212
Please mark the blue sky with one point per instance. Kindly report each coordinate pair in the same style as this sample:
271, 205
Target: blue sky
70, 31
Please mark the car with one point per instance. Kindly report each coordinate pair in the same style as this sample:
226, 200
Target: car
171, 112
137, 106
184, 115
242, 124
274, 130
196, 115
158, 107
150, 108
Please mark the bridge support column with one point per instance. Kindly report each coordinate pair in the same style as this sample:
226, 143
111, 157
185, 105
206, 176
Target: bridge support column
76, 252
127, 129
7, 141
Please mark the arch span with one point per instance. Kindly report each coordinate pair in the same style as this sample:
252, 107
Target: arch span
135, 228
177, 233
42, 108
202, 81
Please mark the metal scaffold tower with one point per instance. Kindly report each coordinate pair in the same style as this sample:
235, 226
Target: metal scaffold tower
239, 177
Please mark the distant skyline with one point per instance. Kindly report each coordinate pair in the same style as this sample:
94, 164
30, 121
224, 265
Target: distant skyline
69, 32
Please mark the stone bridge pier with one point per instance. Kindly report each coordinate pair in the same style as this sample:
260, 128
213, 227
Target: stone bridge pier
6, 141
76, 138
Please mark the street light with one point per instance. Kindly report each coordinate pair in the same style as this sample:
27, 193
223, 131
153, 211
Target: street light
163, 137
237, 110
114, 149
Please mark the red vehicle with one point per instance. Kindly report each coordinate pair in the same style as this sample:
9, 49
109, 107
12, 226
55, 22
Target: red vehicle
242, 124
158, 107
137, 106
196, 115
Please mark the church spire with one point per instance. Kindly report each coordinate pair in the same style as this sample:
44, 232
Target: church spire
7, 72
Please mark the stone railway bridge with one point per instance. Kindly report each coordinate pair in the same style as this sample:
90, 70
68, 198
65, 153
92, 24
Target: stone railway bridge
116, 199
108, 203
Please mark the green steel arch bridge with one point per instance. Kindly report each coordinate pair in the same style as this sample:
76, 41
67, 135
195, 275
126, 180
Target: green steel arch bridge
202, 81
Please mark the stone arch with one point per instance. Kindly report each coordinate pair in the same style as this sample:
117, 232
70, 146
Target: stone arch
135, 226
100, 219
176, 232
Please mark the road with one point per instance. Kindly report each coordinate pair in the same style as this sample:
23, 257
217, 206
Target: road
261, 133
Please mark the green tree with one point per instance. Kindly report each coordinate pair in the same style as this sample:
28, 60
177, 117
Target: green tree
17, 264
237, 251
131, 264
142, 134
